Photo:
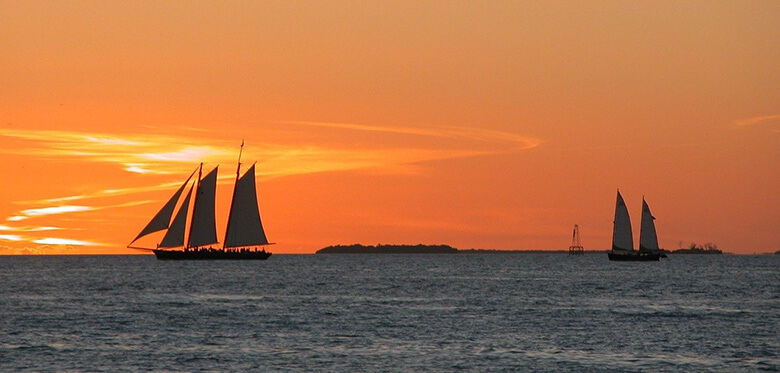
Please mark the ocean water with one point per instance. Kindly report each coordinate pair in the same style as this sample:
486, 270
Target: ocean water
491, 313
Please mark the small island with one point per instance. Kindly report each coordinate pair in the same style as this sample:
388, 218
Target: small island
421, 249
707, 248
388, 249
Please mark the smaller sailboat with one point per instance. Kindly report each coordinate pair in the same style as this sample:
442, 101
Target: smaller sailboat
648, 238
623, 240
244, 237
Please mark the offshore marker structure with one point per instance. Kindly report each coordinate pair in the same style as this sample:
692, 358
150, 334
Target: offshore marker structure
576, 247
244, 233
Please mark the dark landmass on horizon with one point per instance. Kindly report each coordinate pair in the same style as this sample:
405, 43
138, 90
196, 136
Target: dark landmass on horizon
707, 248
424, 249
447, 249
696, 252
388, 249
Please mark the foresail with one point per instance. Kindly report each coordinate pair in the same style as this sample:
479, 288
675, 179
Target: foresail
163, 217
244, 225
203, 230
174, 237
622, 239
648, 239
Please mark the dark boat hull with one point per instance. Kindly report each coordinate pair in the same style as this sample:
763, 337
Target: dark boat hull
210, 255
634, 257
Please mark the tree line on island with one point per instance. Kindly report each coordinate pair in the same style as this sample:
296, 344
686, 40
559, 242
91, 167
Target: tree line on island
418, 249
410, 249
693, 248
388, 249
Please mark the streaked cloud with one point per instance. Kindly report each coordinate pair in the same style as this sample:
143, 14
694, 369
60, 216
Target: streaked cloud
136, 153
187, 154
64, 241
472, 133
106, 193
756, 120
151, 154
55, 210
40, 229
27, 228
165, 154
11, 237
139, 168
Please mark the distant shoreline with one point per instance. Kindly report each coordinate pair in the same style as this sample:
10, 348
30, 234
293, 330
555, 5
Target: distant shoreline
426, 249
696, 252
447, 249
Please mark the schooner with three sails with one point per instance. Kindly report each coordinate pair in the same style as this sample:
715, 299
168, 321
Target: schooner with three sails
245, 237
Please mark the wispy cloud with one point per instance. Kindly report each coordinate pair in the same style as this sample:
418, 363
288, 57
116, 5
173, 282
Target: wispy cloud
64, 241
152, 154
156, 154
55, 210
10, 237
477, 134
48, 240
27, 228
756, 120
137, 153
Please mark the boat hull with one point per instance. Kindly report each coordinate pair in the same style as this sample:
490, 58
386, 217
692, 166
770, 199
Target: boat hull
634, 257
210, 255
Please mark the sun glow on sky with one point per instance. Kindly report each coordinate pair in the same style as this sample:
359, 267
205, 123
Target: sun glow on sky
493, 125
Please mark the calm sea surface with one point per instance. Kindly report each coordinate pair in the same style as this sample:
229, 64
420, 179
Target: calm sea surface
509, 312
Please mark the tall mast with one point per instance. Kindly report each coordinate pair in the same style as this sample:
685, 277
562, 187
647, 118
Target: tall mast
235, 186
197, 189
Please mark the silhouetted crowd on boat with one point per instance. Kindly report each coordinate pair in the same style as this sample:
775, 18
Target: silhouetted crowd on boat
228, 250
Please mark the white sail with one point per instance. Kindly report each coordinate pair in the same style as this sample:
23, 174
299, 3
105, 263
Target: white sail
622, 239
203, 228
244, 226
163, 217
648, 239
174, 237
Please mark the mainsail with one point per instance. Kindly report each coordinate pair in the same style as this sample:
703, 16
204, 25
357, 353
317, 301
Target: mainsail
174, 237
163, 217
622, 239
244, 227
648, 239
203, 228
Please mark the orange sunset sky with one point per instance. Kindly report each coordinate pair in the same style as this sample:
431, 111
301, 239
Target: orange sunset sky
485, 124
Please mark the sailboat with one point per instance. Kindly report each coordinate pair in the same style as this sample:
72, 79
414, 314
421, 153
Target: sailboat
648, 238
245, 238
623, 240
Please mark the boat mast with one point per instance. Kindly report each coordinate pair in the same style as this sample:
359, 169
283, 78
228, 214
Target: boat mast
235, 187
197, 191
